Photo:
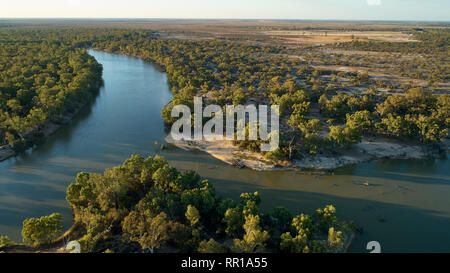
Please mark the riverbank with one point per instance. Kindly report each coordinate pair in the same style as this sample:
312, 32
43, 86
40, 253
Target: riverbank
6, 152
43, 131
57, 246
366, 150
225, 151
60, 245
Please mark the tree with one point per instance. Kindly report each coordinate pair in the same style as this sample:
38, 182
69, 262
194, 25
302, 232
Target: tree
325, 218
429, 129
188, 219
211, 246
249, 203
335, 238
167, 179
275, 156
402, 127
233, 221
42, 231
192, 215
442, 112
298, 242
5, 241
42, 80
289, 102
202, 198
360, 121
336, 108
344, 136
157, 201
149, 232
254, 238
283, 218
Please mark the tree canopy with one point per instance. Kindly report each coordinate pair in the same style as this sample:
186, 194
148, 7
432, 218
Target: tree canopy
183, 213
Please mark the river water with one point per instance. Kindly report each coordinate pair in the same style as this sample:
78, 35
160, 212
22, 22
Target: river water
406, 208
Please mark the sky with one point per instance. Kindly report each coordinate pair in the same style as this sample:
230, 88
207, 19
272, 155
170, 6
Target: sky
412, 10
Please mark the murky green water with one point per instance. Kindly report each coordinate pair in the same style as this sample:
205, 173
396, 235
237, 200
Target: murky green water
407, 208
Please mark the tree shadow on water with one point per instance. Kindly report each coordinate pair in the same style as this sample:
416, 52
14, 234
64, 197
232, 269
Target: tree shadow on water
398, 228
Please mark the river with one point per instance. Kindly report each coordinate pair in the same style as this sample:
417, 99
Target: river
406, 207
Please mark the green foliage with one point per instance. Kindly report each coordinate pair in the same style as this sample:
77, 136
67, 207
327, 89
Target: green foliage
47, 73
431, 41
233, 219
150, 232
254, 240
173, 209
307, 130
211, 246
202, 197
42, 231
167, 179
275, 156
250, 197
298, 101
417, 115
402, 127
360, 121
416, 101
192, 215
5, 241
430, 129
283, 218
339, 106
309, 232
247, 144
344, 136
335, 238
325, 218
303, 226
41, 80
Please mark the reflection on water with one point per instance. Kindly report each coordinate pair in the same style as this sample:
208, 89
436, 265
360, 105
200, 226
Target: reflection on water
123, 119
405, 208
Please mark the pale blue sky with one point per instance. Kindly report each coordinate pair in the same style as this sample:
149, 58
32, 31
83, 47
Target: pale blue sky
428, 10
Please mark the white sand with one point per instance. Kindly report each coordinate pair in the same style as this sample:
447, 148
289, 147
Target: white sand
365, 151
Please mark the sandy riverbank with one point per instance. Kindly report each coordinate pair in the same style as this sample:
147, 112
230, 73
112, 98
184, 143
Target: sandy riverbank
225, 151
367, 150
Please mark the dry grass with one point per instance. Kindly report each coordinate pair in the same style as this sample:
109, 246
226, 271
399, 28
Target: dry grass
321, 37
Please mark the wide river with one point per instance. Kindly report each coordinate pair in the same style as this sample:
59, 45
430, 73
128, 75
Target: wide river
406, 208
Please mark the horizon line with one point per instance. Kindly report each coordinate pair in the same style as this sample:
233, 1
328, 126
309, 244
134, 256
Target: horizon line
226, 19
